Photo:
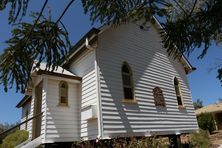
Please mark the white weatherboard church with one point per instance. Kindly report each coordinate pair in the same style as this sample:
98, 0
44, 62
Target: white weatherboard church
117, 82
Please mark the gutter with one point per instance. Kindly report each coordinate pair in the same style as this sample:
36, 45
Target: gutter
99, 108
89, 46
79, 45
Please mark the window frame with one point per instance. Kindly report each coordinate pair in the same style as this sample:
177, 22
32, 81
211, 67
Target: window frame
158, 102
131, 86
60, 93
178, 92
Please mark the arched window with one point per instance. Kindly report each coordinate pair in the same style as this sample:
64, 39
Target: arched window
63, 93
178, 92
127, 82
158, 97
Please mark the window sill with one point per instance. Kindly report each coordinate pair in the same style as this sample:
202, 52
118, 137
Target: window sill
160, 105
181, 107
62, 105
128, 101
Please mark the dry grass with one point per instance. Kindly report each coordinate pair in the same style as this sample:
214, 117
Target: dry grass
216, 139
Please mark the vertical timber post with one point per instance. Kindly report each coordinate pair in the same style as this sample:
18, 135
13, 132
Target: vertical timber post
175, 141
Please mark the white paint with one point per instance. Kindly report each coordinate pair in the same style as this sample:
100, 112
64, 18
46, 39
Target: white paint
85, 68
34, 143
57, 69
151, 67
95, 107
62, 122
98, 94
89, 112
45, 90
25, 108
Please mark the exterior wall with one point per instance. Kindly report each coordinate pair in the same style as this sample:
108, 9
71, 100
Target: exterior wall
26, 109
85, 68
43, 107
31, 114
62, 122
151, 67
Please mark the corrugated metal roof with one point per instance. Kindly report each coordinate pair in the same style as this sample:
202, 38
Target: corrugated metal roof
58, 70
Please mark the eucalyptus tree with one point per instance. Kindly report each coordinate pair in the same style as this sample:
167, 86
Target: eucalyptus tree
187, 26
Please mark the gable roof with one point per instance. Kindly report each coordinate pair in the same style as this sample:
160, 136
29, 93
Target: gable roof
24, 100
184, 61
80, 46
212, 108
59, 71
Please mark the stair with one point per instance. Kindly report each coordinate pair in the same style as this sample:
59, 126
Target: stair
30, 143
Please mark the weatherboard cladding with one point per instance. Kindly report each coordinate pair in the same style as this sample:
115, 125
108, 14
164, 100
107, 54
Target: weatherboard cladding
62, 122
31, 114
71, 56
26, 108
59, 123
43, 108
151, 68
84, 67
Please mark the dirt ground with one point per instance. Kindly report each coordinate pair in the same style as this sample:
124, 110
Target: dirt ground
216, 138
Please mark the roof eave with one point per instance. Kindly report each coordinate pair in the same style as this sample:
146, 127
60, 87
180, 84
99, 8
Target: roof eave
23, 101
187, 64
40, 72
77, 47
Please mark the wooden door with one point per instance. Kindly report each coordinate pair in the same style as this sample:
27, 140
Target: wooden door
37, 122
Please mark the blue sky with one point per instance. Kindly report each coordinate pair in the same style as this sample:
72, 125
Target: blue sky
203, 82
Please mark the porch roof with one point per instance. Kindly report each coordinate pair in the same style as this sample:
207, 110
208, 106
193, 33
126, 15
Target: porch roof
24, 100
59, 71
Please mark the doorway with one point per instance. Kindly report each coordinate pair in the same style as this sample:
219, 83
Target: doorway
37, 122
219, 121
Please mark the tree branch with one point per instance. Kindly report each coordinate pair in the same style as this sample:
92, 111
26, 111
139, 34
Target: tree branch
180, 7
36, 21
64, 11
58, 20
194, 5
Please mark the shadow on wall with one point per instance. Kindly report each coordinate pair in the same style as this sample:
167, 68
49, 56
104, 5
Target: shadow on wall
151, 68
62, 121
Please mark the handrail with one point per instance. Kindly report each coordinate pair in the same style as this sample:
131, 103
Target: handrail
8, 130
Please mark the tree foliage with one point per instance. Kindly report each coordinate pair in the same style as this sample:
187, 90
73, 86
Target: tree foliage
116, 12
4, 127
198, 104
14, 139
206, 122
196, 28
18, 8
187, 25
48, 42
200, 139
